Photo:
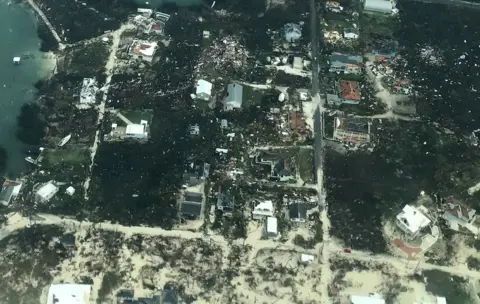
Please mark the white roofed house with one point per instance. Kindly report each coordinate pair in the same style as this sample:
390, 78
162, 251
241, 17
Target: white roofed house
204, 90
270, 227
69, 294
379, 6
234, 99
371, 299
263, 210
46, 192
137, 131
411, 221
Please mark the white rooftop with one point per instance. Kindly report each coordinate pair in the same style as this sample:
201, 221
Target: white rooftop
441, 300
307, 257
272, 225
69, 294
204, 87
264, 206
413, 218
47, 189
366, 300
143, 48
135, 129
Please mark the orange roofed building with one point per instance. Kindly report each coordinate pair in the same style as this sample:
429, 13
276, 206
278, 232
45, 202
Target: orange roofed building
349, 92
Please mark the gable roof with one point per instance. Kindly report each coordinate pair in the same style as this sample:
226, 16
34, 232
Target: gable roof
297, 210
346, 59
349, 90
234, 95
204, 87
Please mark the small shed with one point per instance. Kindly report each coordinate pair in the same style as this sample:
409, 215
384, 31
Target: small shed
70, 191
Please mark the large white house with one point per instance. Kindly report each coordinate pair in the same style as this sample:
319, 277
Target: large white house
138, 131
204, 89
411, 221
69, 294
46, 192
263, 210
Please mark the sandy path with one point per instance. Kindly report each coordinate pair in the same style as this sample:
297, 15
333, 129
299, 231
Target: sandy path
101, 108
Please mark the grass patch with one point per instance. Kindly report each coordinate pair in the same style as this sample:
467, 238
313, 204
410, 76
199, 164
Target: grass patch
69, 155
373, 25
136, 116
453, 288
252, 96
337, 22
305, 164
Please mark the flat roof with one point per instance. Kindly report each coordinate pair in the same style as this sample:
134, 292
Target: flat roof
69, 294
47, 189
135, 129
272, 224
264, 206
413, 218
366, 300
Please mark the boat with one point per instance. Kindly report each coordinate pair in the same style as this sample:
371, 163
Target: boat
65, 140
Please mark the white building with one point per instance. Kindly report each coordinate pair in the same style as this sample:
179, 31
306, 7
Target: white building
206, 34
350, 34
234, 99
307, 258
263, 210
204, 89
88, 91
297, 63
138, 131
142, 50
270, 229
379, 6
292, 32
69, 294
375, 299
412, 221
70, 191
46, 192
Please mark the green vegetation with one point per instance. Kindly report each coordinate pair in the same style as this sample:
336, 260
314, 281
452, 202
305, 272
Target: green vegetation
136, 116
453, 288
374, 26
89, 61
252, 96
305, 164
67, 155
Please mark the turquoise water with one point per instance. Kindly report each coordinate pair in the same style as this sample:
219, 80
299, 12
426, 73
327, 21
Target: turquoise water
18, 36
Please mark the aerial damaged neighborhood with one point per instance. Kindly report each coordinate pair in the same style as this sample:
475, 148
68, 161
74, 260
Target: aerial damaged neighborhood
234, 153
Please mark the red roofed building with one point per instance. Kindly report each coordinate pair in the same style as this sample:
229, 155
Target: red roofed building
349, 92
455, 210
